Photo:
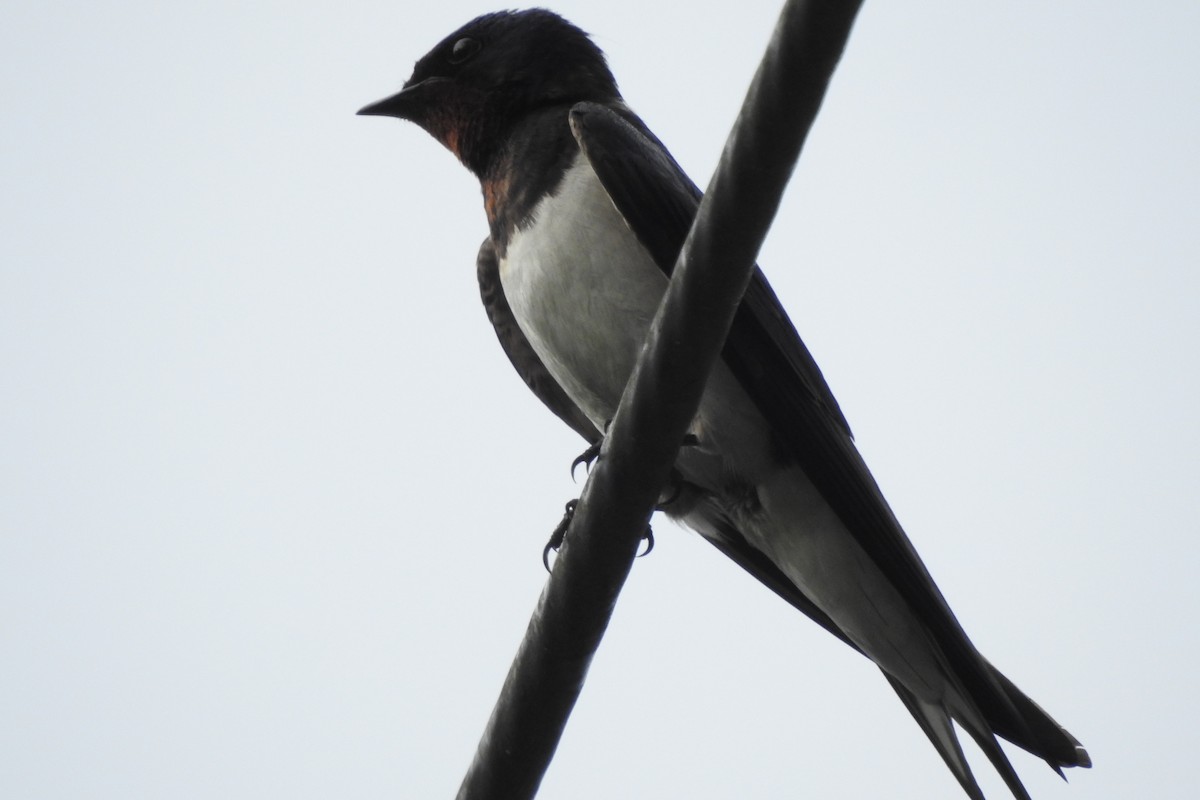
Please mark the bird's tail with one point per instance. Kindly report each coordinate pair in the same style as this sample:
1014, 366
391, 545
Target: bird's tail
935, 720
1040, 735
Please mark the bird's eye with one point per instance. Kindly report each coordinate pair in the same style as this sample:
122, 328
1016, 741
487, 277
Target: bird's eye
463, 49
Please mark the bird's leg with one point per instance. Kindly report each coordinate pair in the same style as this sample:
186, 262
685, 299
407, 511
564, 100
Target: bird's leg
671, 492
674, 482
588, 457
560, 533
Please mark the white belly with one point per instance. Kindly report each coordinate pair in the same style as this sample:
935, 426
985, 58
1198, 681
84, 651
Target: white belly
583, 291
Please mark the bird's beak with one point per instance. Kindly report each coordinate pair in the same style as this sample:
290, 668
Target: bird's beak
394, 106
404, 103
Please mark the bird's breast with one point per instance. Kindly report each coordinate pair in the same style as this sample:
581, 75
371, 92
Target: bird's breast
583, 290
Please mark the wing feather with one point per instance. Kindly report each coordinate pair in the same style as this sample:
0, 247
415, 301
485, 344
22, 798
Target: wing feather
658, 202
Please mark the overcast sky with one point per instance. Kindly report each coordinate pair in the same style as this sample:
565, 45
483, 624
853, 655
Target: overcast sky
272, 500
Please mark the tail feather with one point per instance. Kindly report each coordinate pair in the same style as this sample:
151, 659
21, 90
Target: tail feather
936, 723
978, 697
935, 720
1039, 734
1050, 740
983, 735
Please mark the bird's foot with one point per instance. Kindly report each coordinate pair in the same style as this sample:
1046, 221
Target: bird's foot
589, 456
675, 485
586, 458
648, 538
671, 491
560, 533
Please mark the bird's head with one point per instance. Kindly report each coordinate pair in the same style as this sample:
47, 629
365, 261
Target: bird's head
470, 88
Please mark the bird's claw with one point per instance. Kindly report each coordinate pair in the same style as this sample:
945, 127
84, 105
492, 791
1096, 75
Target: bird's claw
587, 458
648, 538
560, 533
674, 489
675, 481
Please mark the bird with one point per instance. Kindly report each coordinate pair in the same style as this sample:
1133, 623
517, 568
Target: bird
587, 211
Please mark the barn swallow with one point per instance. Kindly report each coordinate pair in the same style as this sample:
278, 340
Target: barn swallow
587, 212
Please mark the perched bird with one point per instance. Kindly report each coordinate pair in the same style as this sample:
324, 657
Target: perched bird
587, 212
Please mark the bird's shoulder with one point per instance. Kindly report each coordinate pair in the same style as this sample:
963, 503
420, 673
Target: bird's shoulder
536, 154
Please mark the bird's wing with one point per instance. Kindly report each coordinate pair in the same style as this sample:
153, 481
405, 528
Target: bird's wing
725, 536
519, 351
658, 202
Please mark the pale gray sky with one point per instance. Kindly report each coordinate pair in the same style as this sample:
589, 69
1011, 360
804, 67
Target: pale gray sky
272, 501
